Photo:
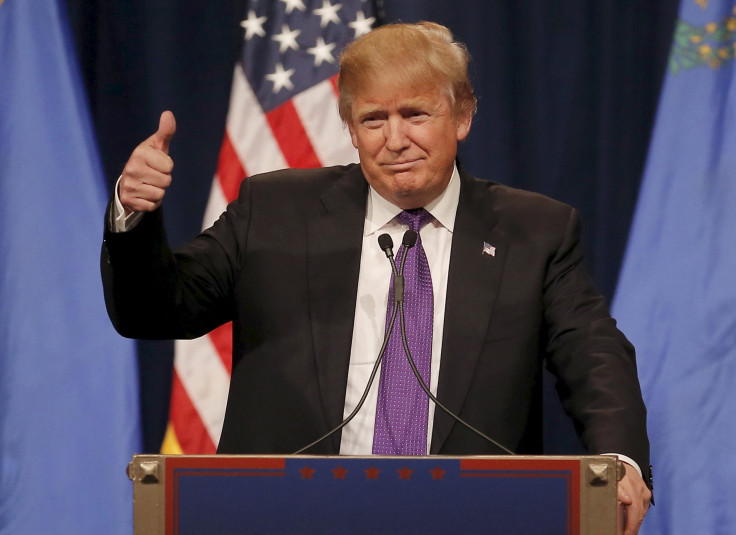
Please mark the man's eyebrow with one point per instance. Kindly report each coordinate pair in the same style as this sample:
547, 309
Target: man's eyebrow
412, 104
370, 110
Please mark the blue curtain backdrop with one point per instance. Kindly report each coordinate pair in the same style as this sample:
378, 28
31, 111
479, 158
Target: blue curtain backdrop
69, 419
567, 95
677, 295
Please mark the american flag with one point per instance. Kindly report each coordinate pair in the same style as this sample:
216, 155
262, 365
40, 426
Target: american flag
283, 113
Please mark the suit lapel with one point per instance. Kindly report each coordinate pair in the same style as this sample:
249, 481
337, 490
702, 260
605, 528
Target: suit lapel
334, 241
473, 283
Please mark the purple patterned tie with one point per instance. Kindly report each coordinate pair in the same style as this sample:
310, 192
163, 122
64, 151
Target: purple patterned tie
402, 409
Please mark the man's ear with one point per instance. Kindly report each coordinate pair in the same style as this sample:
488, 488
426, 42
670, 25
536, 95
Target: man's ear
353, 137
463, 126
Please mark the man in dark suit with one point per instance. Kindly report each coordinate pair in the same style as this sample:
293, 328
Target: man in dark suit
294, 263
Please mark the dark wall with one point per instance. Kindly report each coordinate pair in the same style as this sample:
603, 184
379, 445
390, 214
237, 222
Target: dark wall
567, 93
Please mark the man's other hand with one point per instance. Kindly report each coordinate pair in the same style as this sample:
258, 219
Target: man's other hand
634, 495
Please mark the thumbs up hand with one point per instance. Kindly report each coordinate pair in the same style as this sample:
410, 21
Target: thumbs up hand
147, 173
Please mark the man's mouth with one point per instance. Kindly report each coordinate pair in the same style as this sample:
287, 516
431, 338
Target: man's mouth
401, 165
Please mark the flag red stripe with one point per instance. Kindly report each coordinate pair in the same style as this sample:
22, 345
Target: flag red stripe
292, 138
333, 81
188, 426
230, 169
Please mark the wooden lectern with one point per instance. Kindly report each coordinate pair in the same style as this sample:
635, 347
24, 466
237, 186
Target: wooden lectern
212, 495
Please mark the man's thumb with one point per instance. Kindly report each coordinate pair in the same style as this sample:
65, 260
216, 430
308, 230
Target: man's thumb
166, 130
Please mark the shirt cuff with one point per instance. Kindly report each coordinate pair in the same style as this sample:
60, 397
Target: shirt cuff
121, 222
627, 460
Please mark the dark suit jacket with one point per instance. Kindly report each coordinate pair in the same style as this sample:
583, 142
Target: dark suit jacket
282, 263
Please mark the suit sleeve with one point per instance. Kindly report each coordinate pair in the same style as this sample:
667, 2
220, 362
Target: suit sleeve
594, 362
152, 292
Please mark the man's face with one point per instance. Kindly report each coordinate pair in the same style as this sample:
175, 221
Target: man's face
407, 141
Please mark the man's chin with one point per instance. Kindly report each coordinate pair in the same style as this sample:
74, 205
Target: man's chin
405, 189
408, 198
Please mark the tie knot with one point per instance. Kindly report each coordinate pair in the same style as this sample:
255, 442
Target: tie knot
415, 218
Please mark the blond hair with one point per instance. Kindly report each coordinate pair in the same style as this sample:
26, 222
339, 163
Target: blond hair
423, 55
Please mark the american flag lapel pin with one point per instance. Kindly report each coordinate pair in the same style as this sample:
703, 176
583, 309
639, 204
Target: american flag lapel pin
489, 249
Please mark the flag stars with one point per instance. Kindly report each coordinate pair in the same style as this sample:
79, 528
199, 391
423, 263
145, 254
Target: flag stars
361, 25
328, 13
291, 5
287, 39
253, 25
322, 52
281, 78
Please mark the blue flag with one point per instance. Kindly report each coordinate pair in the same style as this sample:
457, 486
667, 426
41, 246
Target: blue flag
69, 415
676, 298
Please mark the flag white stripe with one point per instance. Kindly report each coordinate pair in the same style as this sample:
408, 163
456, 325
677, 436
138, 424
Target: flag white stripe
205, 380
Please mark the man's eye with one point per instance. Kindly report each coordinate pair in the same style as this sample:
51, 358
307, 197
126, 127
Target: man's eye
371, 122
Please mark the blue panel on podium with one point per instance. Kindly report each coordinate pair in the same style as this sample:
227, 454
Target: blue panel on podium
371, 495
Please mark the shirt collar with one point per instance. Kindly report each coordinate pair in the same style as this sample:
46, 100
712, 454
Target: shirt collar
380, 212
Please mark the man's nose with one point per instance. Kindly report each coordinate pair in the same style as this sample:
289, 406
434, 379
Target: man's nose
396, 135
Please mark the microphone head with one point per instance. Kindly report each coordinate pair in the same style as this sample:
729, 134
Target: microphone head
410, 238
385, 242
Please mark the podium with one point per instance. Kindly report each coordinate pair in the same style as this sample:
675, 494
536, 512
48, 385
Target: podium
219, 494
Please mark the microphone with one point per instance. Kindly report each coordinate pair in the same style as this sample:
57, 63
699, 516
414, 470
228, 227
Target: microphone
409, 239
386, 244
